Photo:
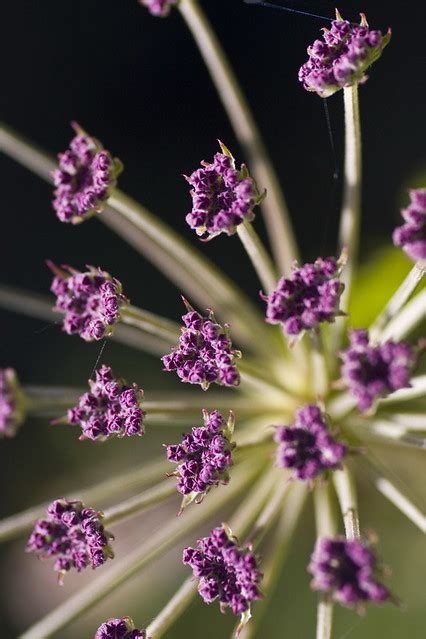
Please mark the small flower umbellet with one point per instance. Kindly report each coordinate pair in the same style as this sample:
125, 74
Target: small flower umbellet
306, 299
111, 408
307, 446
223, 197
373, 372
91, 301
84, 178
72, 534
12, 403
411, 236
203, 456
342, 57
347, 570
158, 8
204, 355
122, 628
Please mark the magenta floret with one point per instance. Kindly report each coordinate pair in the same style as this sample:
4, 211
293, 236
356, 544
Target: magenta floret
122, 628
411, 236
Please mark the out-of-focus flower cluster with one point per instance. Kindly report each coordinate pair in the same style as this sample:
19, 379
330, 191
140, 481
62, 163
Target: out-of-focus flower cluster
159, 8
411, 236
12, 409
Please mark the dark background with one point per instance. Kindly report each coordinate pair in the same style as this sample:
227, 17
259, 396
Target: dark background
138, 84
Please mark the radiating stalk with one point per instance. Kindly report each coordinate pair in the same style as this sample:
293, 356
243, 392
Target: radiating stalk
344, 484
150, 323
123, 569
173, 609
276, 215
319, 366
409, 317
401, 502
398, 300
139, 503
387, 431
21, 523
326, 527
49, 400
258, 255
417, 390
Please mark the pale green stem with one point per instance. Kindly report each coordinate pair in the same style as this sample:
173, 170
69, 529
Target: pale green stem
341, 405
21, 523
398, 300
416, 390
413, 314
139, 503
344, 484
276, 215
319, 367
326, 527
173, 609
271, 511
411, 421
351, 208
123, 569
49, 400
387, 430
150, 323
263, 385
258, 255
401, 502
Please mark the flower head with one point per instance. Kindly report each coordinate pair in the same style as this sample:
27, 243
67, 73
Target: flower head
204, 355
310, 296
411, 236
12, 409
371, 372
307, 445
342, 57
159, 8
123, 628
84, 178
347, 570
222, 196
203, 456
73, 534
226, 571
111, 408
90, 300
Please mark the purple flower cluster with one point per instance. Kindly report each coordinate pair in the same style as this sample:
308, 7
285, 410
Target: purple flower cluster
159, 8
73, 534
307, 445
226, 571
84, 179
91, 301
346, 569
110, 408
123, 628
222, 196
204, 455
342, 57
411, 236
11, 403
205, 353
371, 372
310, 295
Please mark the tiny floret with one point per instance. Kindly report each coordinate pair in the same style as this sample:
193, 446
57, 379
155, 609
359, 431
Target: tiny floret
158, 8
90, 300
411, 236
342, 57
122, 628
310, 296
307, 446
203, 456
347, 570
12, 403
222, 196
227, 572
73, 534
204, 355
373, 372
111, 408
84, 179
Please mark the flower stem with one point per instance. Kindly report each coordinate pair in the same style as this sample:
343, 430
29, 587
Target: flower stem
319, 367
344, 484
150, 323
139, 503
407, 319
401, 502
276, 215
326, 527
258, 255
173, 609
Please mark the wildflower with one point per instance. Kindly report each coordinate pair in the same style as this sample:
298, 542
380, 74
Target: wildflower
90, 300
112, 407
310, 296
12, 408
203, 456
123, 628
159, 8
347, 570
307, 446
222, 196
73, 534
411, 236
342, 57
204, 355
227, 572
84, 179
371, 372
